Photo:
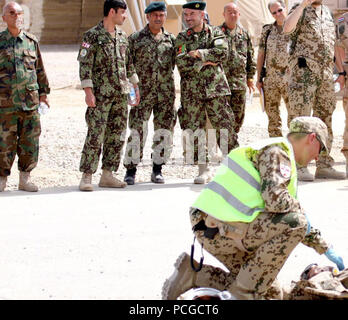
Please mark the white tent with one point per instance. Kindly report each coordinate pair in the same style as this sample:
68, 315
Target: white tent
64, 22
254, 13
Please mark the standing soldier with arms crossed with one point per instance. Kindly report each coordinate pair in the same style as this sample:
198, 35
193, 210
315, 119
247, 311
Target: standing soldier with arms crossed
23, 84
311, 64
104, 69
153, 53
273, 53
201, 51
240, 66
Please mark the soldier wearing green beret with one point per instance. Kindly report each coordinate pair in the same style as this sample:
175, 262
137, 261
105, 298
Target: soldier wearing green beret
152, 50
200, 53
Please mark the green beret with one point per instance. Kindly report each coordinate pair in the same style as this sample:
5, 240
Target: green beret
196, 5
156, 6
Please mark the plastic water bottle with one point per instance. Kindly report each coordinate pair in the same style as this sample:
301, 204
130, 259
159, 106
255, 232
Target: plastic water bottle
132, 98
336, 84
43, 108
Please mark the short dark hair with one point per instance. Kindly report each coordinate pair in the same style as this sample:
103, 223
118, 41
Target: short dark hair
113, 4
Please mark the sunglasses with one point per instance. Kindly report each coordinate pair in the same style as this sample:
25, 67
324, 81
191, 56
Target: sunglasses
322, 148
305, 273
278, 11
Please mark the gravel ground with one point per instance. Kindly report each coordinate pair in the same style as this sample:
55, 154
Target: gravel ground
64, 129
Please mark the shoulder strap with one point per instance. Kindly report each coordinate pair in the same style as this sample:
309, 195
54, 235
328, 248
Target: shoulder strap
267, 34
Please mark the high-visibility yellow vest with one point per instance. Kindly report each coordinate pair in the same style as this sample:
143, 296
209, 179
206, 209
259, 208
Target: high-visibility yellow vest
235, 192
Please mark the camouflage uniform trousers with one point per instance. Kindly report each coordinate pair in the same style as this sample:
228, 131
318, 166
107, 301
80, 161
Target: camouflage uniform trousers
164, 118
19, 134
345, 108
237, 102
193, 116
275, 87
313, 92
345, 133
269, 241
107, 124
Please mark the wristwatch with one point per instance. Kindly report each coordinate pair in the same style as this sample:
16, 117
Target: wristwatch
343, 73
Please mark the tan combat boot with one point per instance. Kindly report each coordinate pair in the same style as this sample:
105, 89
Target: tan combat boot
107, 180
86, 182
204, 175
25, 184
182, 280
240, 292
3, 181
303, 174
329, 173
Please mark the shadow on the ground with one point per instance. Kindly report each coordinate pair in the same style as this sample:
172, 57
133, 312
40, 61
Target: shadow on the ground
141, 186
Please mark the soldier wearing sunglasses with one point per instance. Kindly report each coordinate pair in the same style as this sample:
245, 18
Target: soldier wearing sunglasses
273, 55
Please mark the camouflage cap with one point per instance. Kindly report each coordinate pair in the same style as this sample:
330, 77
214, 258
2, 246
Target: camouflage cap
195, 5
156, 6
310, 125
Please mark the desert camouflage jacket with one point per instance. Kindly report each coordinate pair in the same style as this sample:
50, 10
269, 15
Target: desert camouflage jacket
104, 62
240, 64
274, 167
22, 74
315, 38
154, 60
198, 80
277, 46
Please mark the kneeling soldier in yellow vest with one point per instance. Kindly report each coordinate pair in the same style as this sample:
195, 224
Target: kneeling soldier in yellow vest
249, 217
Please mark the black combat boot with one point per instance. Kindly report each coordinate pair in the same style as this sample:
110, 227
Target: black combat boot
156, 176
130, 176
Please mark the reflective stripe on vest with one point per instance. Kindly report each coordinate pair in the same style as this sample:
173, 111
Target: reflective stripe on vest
235, 192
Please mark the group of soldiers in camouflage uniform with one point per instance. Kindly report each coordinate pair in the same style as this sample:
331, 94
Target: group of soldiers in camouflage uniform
299, 52
216, 67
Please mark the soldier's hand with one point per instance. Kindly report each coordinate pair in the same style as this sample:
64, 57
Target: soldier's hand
90, 100
44, 100
259, 85
250, 84
341, 80
194, 54
335, 258
306, 3
208, 63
